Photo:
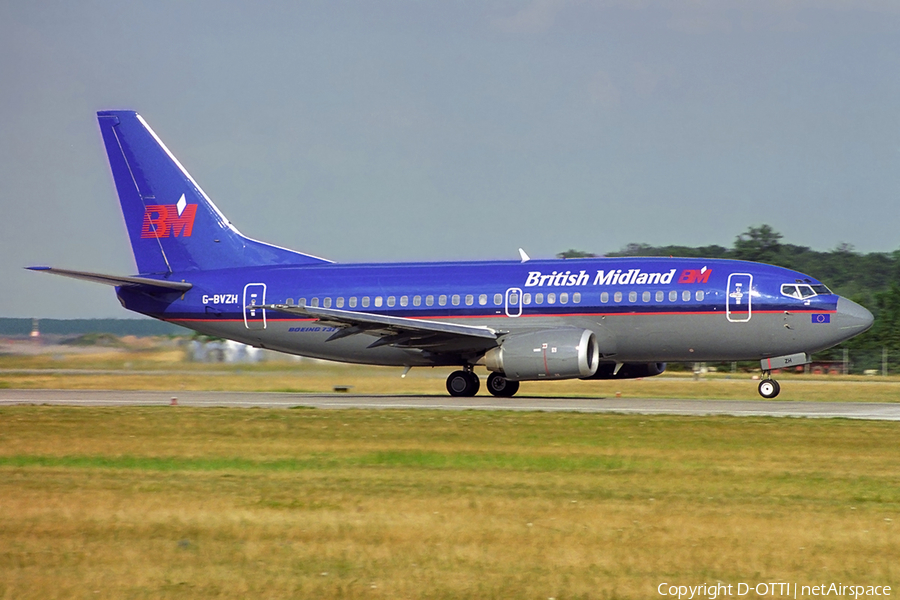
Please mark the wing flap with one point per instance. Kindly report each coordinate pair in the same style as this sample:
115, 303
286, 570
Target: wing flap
392, 331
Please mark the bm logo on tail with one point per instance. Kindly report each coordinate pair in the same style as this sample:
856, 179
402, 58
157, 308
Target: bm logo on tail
169, 220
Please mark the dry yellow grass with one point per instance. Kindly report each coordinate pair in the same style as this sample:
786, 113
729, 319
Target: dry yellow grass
192, 503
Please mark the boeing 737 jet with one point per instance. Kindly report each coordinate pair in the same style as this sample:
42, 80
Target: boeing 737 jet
527, 320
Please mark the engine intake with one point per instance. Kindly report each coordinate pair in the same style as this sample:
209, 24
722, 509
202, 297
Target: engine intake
545, 354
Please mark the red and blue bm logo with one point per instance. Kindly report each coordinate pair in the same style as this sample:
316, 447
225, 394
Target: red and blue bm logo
695, 275
163, 220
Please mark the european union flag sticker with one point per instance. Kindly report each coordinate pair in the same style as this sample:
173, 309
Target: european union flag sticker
821, 318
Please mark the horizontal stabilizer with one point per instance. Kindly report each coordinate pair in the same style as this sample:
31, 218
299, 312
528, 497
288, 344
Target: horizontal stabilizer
119, 280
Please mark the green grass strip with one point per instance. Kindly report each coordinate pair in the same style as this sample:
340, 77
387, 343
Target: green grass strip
392, 459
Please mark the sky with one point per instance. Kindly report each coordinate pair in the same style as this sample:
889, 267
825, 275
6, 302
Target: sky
419, 131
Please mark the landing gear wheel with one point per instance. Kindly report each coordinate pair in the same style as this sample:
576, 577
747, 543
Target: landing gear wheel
769, 388
463, 383
501, 386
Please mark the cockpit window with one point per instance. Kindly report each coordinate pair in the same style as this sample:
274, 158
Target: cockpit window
790, 290
802, 291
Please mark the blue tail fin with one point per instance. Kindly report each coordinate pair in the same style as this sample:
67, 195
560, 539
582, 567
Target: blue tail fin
172, 224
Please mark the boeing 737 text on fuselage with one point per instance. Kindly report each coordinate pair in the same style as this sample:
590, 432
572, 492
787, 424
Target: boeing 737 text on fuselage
597, 318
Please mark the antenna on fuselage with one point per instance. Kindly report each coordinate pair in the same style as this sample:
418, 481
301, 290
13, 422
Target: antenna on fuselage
524, 256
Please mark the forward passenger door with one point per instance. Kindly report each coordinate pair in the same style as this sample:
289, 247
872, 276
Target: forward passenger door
739, 297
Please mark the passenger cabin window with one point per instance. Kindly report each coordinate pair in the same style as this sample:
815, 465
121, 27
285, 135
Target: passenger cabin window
699, 295
645, 297
378, 301
454, 300
391, 301
339, 302
686, 296
442, 300
498, 299
617, 297
314, 302
365, 301
632, 296
470, 299
604, 297
539, 298
404, 300
417, 301
673, 296
551, 298
326, 302
429, 300
482, 299
289, 302
526, 298
563, 298
352, 302
576, 297
660, 296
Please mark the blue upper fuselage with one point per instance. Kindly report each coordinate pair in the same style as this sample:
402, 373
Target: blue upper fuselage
491, 289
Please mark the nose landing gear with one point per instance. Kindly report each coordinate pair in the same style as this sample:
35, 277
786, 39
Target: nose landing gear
768, 388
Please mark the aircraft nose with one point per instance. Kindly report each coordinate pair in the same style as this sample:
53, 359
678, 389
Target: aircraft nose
852, 318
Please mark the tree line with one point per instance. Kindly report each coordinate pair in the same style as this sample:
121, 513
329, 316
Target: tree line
870, 279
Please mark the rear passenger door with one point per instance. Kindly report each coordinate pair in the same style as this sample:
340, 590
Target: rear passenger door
254, 295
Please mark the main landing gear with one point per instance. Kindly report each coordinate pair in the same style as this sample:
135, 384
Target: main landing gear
501, 386
768, 387
465, 383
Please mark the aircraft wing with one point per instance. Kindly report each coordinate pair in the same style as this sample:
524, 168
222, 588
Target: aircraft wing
119, 280
437, 336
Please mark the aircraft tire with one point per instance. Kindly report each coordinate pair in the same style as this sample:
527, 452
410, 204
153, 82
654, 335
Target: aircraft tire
463, 383
501, 386
769, 388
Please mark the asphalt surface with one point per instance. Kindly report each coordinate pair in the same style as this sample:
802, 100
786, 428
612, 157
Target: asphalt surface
641, 406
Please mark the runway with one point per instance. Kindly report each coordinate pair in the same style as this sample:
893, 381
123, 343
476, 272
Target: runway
640, 406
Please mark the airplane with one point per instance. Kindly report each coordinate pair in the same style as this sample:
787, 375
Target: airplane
523, 320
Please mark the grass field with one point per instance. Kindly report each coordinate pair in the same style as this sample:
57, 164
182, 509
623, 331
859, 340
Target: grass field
173, 502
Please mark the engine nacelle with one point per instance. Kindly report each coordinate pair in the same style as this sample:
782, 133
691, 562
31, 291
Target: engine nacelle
545, 354
628, 371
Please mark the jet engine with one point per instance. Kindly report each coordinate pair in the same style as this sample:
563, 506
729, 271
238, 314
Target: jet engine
627, 371
545, 354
